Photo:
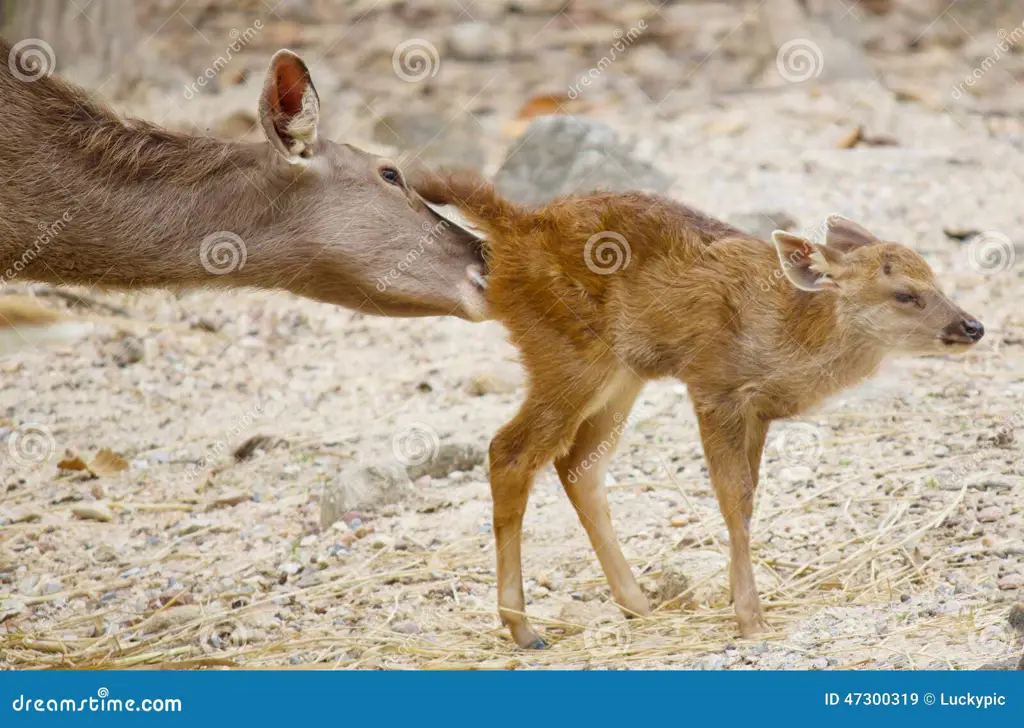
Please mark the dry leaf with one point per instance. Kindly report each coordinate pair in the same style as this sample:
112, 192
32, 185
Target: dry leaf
72, 463
107, 462
849, 139
544, 105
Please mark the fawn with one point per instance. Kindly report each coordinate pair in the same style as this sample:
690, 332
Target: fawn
757, 332
89, 198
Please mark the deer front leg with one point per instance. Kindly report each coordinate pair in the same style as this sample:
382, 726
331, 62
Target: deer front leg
725, 441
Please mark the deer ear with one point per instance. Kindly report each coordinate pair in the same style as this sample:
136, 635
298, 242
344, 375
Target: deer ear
807, 265
844, 235
290, 107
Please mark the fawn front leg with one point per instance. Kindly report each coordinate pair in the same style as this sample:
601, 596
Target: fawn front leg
725, 441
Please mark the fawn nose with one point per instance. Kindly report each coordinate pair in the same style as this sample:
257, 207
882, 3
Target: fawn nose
972, 329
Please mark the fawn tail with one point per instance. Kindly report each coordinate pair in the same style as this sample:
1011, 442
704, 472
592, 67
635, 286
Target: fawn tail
475, 197
24, 324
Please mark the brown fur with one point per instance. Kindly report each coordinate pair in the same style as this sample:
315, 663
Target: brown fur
88, 198
699, 301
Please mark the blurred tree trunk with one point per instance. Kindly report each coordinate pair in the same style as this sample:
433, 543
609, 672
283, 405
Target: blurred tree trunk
94, 43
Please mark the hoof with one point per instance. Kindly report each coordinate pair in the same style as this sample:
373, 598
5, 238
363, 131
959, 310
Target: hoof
537, 644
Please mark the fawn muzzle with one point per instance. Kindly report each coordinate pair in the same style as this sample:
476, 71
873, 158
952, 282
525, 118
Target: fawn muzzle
966, 330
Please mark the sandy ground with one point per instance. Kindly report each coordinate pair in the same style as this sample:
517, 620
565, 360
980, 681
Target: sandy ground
888, 526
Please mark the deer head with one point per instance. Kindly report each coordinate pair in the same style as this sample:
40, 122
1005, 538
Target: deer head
376, 245
883, 289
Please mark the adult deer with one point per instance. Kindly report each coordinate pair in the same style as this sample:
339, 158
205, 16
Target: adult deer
88, 198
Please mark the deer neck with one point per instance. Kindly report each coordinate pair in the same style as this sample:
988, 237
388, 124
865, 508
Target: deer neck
91, 199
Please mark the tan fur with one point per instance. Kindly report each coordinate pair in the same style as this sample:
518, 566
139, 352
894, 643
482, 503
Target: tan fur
91, 199
699, 301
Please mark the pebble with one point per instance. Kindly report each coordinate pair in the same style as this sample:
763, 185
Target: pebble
49, 586
679, 521
405, 627
291, 568
232, 498
990, 514
1010, 582
93, 511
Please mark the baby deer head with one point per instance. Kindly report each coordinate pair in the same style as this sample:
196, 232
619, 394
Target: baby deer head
885, 290
377, 246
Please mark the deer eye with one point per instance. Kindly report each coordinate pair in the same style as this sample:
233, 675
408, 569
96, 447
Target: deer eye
391, 175
905, 297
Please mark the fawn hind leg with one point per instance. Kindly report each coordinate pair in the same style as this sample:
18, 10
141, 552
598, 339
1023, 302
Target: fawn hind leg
582, 472
541, 431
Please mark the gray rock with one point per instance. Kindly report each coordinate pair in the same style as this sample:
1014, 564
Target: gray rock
360, 486
763, 224
431, 139
405, 627
449, 458
560, 155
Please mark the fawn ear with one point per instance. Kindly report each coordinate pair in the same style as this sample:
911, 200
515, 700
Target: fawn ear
844, 235
807, 265
290, 107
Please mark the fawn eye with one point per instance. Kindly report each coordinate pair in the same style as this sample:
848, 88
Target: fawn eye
905, 297
391, 175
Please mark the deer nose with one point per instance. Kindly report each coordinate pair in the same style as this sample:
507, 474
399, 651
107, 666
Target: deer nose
972, 329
